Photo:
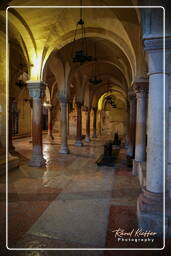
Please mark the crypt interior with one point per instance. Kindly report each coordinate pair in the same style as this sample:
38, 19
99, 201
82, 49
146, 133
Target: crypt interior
82, 99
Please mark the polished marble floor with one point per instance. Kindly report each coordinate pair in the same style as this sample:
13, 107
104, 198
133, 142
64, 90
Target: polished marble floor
70, 203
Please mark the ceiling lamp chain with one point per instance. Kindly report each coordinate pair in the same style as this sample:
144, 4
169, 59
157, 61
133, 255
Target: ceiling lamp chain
80, 56
94, 80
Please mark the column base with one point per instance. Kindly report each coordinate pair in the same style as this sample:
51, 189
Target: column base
50, 137
136, 167
150, 212
37, 161
87, 139
129, 161
13, 162
79, 143
94, 136
64, 150
11, 149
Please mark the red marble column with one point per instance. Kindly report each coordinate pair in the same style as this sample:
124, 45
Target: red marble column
79, 125
36, 91
87, 138
50, 136
94, 123
11, 147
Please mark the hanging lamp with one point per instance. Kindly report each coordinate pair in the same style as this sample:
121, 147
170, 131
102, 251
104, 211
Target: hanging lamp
81, 56
22, 77
94, 80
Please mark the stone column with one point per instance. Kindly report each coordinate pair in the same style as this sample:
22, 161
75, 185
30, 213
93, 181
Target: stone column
36, 91
87, 138
131, 127
99, 122
50, 135
11, 147
94, 123
64, 126
79, 125
150, 202
140, 87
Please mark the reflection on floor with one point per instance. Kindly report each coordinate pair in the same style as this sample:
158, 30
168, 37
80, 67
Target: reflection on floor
71, 203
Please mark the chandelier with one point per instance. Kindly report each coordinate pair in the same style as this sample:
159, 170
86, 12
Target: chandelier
23, 76
81, 56
94, 80
111, 101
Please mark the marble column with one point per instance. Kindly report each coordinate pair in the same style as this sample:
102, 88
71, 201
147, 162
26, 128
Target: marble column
87, 138
131, 127
140, 87
11, 147
94, 123
36, 91
64, 125
150, 202
79, 125
50, 135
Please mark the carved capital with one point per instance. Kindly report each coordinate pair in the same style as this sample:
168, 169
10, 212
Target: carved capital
141, 88
78, 104
36, 89
131, 95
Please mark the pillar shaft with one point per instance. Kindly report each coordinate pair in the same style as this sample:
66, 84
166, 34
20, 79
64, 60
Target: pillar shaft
36, 91
64, 126
79, 125
132, 125
50, 135
140, 142
87, 138
95, 123
155, 135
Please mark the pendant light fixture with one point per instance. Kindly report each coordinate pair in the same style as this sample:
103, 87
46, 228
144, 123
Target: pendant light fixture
94, 80
110, 99
81, 56
22, 77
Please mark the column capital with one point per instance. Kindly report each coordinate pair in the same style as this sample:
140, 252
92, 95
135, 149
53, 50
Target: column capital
141, 87
79, 104
94, 108
131, 95
36, 89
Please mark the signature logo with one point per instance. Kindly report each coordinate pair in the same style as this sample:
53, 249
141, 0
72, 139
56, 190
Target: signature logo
134, 235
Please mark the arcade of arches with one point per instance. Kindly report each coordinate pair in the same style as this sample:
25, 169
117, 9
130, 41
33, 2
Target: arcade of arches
59, 121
